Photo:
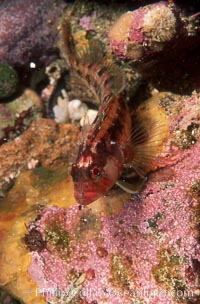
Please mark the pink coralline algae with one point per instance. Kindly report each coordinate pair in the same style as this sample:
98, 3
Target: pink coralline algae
28, 30
147, 30
156, 38
86, 22
149, 252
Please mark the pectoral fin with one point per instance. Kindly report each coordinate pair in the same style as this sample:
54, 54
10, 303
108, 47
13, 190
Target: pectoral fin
132, 188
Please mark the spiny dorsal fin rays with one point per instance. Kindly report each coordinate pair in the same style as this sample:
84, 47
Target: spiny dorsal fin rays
100, 85
94, 56
104, 76
96, 89
66, 41
93, 53
91, 69
79, 83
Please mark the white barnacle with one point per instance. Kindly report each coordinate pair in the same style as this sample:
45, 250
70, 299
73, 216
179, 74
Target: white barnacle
61, 110
159, 24
77, 110
88, 118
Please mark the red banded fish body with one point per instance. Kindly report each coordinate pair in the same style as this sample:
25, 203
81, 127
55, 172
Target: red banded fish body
101, 157
115, 142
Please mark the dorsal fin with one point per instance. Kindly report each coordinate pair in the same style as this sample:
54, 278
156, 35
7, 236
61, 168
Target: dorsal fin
92, 53
66, 41
91, 71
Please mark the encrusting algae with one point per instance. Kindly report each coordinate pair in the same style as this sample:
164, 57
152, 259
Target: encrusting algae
119, 249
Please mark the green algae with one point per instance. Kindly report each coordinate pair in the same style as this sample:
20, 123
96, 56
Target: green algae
37, 187
88, 225
8, 80
167, 185
195, 189
188, 137
120, 270
6, 297
153, 221
168, 272
46, 177
58, 237
185, 139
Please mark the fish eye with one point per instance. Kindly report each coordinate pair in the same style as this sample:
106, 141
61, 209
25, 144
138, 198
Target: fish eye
95, 172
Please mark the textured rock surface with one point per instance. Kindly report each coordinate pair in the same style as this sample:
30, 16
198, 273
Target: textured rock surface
146, 252
17, 115
28, 30
8, 80
155, 39
143, 249
45, 143
149, 29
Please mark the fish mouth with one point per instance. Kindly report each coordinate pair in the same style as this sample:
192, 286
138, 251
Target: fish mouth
85, 199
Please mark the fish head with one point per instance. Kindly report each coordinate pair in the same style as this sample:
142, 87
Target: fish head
95, 171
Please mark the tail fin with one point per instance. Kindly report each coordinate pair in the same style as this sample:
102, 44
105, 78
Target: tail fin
92, 72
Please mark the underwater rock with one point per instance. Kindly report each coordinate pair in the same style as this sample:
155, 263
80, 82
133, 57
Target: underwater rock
44, 143
17, 115
143, 249
145, 30
161, 43
117, 249
150, 250
6, 298
28, 31
8, 80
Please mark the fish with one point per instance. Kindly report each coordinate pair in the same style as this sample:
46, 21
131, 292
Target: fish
117, 147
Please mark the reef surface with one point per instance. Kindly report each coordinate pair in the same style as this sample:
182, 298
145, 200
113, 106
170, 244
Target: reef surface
28, 31
126, 249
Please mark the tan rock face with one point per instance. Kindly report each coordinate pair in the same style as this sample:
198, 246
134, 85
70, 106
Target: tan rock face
147, 28
155, 39
45, 143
